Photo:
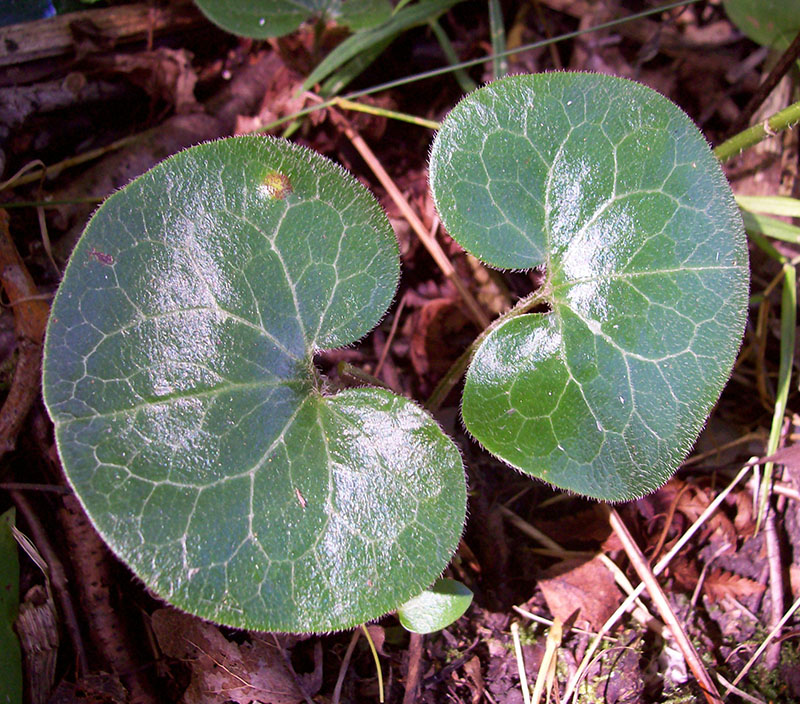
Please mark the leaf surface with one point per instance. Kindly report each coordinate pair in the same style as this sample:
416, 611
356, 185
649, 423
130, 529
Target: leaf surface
435, 608
189, 415
610, 188
261, 19
772, 23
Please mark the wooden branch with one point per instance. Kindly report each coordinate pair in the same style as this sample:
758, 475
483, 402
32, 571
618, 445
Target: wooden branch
30, 320
41, 39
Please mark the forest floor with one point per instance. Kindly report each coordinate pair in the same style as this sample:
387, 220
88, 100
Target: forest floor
125, 97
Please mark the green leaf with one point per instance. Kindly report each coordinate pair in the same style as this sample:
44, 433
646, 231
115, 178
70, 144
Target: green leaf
436, 608
609, 188
10, 657
772, 23
261, 19
189, 415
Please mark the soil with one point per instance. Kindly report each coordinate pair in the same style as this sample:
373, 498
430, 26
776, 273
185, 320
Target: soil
122, 100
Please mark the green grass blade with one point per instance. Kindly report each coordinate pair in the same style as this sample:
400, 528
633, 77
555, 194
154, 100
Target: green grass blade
461, 75
360, 42
770, 227
352, 69
787, 345
771, 205
498, 36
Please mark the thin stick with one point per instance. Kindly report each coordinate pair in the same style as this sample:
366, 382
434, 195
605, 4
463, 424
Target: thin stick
776, 593
429, 242
414, 669
523, 678
30, 320
778, 71
642, 567
761, 648
390, 337
571, 690
337, 690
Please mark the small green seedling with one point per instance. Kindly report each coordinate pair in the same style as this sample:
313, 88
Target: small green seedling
436, 608
212, 456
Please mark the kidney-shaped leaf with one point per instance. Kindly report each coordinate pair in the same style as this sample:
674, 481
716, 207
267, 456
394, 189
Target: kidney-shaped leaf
189, 415
261, 19
612, 190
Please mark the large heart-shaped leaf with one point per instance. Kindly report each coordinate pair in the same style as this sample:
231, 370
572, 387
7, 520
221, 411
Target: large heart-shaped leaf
261, 19
189, 415
612, 190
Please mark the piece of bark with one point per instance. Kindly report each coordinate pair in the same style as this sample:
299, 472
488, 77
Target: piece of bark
94, 578
31, 41
30, 321
37, 628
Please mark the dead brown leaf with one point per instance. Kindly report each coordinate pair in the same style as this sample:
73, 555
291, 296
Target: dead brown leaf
720, 584
165, 74
586, 587
222, 670
436, 340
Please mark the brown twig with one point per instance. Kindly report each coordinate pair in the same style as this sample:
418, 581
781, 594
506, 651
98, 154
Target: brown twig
108, 631
642, 567
414, 668
772, 656
30, 320
337, 690
778, 71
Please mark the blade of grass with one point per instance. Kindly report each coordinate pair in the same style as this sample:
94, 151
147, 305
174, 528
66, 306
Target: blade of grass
464, 81
787, 344
771, 205
770, 227
405, 19
383, 112
353, 68
497, 33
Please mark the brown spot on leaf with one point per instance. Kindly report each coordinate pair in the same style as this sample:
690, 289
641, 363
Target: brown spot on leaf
276, 185
101, 257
